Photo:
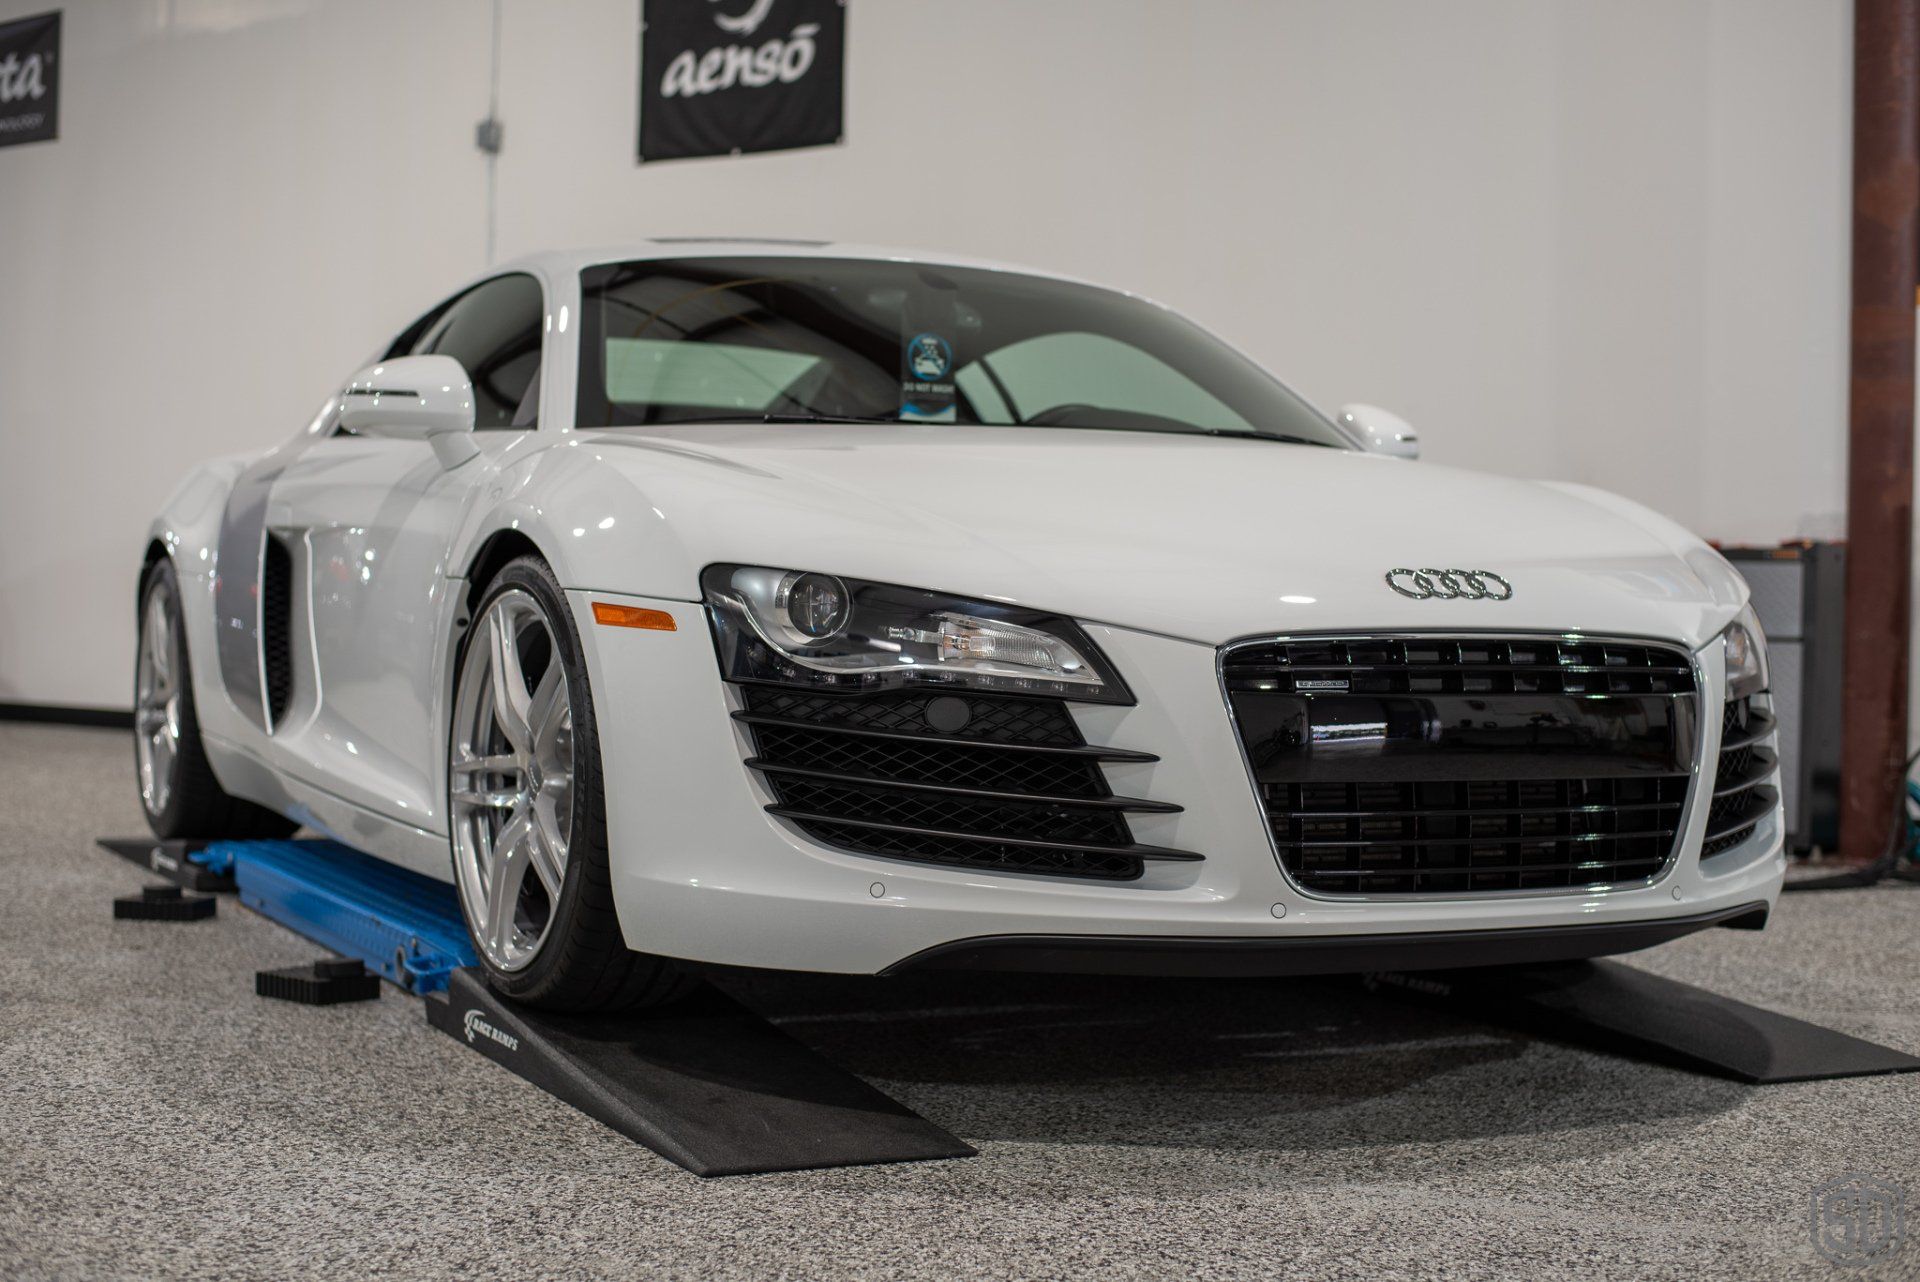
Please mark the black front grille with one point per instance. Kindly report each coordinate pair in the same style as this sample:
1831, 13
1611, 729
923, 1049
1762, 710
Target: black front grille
1742, 797
1000, 783
276, 626
1445, 766
1454, 837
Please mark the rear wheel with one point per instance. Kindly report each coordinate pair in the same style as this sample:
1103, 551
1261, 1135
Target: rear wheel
527, 812
178, 792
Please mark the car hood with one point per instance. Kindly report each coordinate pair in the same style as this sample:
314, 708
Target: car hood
1203, 538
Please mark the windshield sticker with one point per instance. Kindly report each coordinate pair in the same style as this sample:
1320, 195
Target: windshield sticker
926, 382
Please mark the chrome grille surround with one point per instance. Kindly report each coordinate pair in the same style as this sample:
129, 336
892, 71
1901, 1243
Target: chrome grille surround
1693, 774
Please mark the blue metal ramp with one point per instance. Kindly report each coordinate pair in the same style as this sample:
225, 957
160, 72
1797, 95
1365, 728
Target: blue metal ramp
405, 926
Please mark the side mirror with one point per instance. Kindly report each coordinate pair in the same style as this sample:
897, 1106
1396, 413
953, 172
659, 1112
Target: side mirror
1381, 432
413, 398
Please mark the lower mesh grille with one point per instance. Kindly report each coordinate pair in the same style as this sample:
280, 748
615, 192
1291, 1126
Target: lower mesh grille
1004, 784
1741, 795
950, 812
1491, 835
930, 761
1038, 721
973, 853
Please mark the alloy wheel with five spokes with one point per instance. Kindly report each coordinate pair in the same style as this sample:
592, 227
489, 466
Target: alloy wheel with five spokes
511, 779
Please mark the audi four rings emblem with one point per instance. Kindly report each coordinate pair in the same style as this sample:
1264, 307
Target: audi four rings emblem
1449, 585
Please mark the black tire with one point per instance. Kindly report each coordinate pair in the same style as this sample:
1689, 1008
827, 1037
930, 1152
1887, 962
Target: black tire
194, 804
583, 964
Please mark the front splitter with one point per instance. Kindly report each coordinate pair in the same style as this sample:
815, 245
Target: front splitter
1230, 957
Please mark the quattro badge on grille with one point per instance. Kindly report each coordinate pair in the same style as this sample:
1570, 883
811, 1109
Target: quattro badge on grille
1449, 585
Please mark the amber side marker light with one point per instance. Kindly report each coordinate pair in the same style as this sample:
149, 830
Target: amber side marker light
631, 616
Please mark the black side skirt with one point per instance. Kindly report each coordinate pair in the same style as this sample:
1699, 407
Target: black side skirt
1241, 957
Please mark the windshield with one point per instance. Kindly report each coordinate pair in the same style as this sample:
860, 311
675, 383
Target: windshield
692, 340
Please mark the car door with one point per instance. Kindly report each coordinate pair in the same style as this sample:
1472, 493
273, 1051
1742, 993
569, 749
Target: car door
367, 524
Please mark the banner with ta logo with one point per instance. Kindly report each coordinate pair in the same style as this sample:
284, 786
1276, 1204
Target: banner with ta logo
30, 79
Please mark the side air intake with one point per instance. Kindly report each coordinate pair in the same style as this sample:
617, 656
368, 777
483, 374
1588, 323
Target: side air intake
998, 783
276, 626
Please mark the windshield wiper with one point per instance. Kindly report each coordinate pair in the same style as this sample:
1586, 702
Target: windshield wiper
1283, 438
828, 418
758, 416
1287, 439
777, 417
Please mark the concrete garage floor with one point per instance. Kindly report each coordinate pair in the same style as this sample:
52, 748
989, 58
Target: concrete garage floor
158, 1120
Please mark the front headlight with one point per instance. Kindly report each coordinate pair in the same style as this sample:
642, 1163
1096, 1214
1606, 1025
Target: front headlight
794, 627
1746, 656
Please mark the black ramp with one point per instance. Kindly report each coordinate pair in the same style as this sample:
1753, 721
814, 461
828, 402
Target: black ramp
169, 859
1617, 1008
704, 1083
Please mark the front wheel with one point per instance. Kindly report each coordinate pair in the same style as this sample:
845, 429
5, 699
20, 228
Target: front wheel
527, 811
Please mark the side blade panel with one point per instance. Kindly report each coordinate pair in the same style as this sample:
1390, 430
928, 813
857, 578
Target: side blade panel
236, 583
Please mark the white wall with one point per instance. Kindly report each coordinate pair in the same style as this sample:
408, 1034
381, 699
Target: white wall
1602, 240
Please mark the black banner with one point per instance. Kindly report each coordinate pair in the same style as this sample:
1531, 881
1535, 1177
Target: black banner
721, 77
30, 79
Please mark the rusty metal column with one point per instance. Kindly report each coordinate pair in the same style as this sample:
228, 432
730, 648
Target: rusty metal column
1886, 242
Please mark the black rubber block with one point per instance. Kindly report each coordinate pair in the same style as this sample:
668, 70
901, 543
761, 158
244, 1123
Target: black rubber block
163, 903
324, 983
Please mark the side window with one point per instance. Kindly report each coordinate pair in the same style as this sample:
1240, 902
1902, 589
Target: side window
494, 331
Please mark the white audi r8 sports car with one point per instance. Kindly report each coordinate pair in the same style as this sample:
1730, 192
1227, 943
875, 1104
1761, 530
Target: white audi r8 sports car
797, 606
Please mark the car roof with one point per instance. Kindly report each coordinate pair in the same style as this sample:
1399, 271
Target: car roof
567, 261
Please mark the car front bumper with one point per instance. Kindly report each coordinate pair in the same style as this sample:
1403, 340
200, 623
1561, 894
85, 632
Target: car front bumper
702, 872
